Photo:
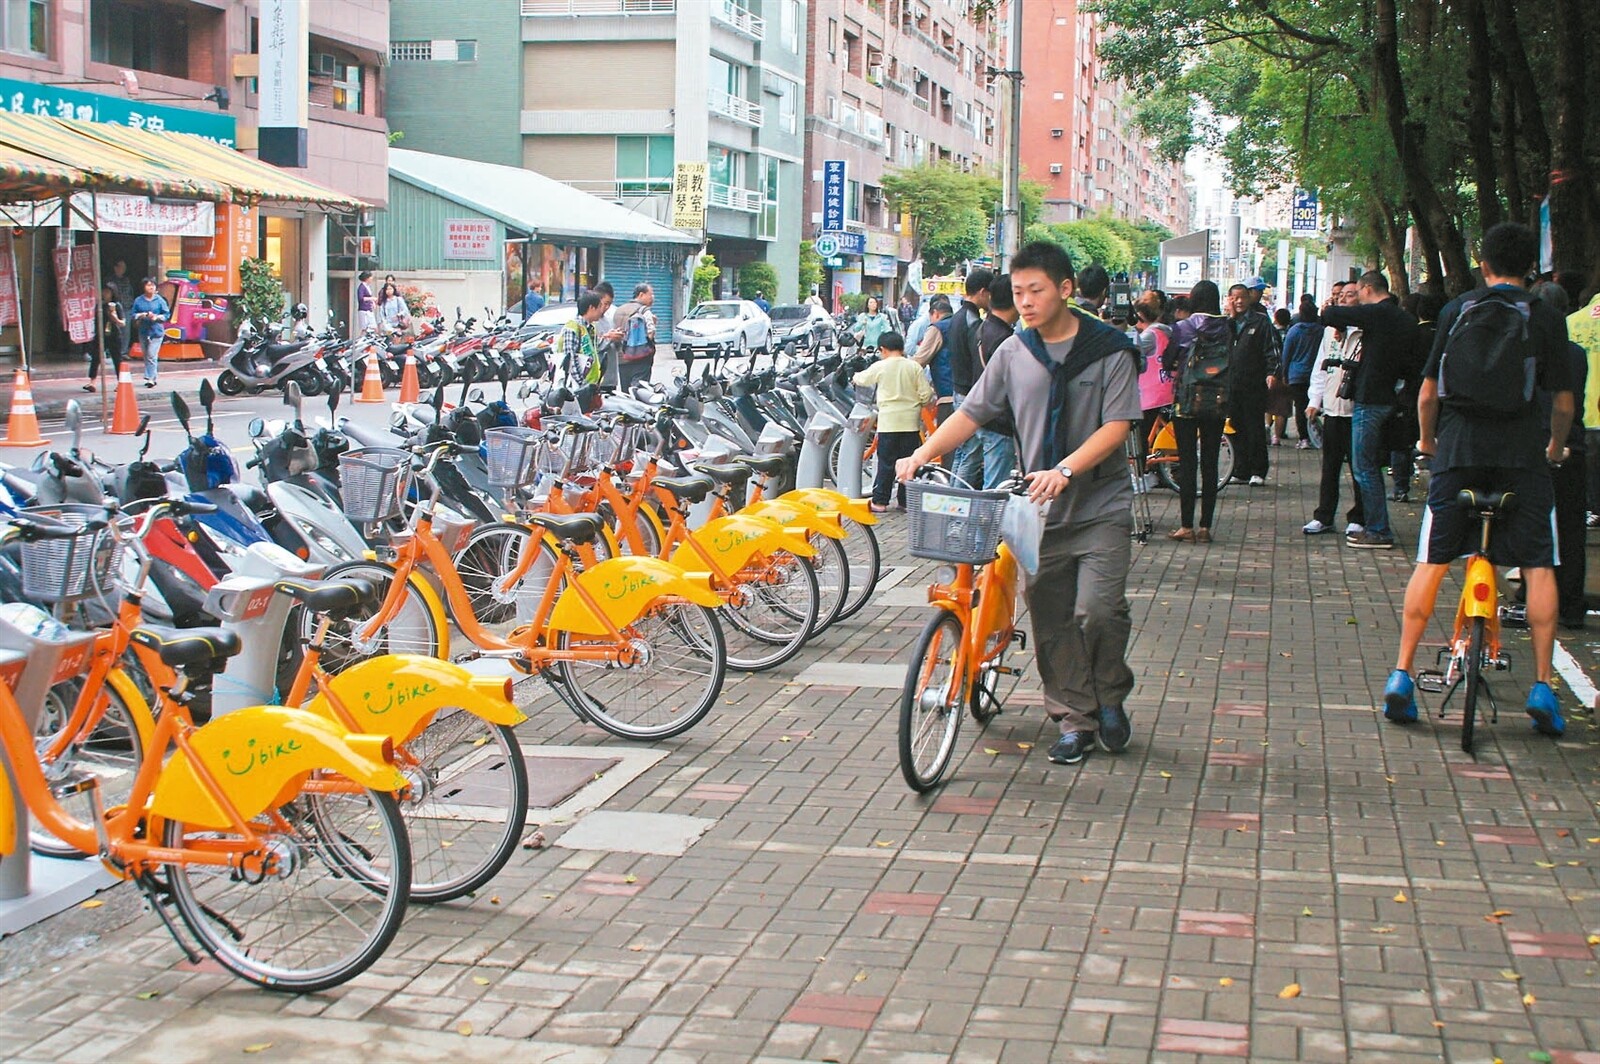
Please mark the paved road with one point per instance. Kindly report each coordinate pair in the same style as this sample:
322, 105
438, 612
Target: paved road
1266, 831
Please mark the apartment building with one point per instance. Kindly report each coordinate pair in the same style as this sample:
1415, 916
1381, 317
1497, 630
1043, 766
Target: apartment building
191, 66
891, 84
607, 95
1078, 136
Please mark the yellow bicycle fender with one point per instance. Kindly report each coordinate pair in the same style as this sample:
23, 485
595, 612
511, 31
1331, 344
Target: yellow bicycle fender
624, 589
1166, 439
255, 754
733, 540
856, 510
398, 694
824, 522
1480, 574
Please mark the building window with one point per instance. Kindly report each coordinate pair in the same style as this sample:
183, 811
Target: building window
151, 37
852, 200
788, 111
768, 225
347, 87
725, 167
791, 25
833, 38
726, 77
410, 51
644, 165
466, 51
24, 26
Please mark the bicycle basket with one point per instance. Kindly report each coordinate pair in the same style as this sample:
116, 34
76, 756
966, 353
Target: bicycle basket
513, 456
566, 455
617, 446
69, 567
951, 524
373, 482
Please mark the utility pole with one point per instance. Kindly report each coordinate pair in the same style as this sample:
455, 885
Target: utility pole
1011, 174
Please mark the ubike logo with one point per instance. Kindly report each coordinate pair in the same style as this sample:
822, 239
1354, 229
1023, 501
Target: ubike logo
256, 755
625, 584
726, 539
395, 696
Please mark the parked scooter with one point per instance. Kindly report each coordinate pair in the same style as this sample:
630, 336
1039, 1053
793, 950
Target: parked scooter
309, 522
254, 365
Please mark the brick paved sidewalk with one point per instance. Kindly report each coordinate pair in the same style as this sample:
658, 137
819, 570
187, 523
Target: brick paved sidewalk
1266, 830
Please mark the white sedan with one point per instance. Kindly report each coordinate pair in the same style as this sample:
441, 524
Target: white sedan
723, 328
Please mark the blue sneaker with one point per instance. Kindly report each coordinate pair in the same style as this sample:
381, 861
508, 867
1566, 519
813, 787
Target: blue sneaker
1545, 711
1400, 698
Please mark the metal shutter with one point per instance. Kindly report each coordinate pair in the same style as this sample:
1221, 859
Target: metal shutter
629, 265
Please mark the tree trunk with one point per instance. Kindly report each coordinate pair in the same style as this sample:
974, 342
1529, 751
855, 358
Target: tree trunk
1432, 269
1506, 146
1392, 235
1408, 138
1508, 37
1573, 211
1480, 112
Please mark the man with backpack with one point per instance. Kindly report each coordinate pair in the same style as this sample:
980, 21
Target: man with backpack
638, 325
961, 341
1388, 362
1484, 428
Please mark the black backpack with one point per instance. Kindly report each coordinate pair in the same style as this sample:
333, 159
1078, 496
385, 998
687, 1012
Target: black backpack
1487, 368
1203, 383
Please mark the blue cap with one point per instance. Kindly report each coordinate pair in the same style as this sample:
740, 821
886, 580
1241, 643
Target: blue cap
1256, 284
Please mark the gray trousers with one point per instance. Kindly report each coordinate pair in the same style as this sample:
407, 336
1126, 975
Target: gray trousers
1079, 604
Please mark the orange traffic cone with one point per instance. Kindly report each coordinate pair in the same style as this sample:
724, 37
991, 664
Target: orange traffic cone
22, 430
125, 416
372, 384
409, 385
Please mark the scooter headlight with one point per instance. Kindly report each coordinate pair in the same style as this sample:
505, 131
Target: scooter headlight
311, 534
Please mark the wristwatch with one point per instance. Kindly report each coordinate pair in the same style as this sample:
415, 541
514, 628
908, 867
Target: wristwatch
1065, 470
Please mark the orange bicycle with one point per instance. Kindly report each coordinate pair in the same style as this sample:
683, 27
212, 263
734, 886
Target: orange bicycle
960, 656
1161, 453
286, 887
629, 644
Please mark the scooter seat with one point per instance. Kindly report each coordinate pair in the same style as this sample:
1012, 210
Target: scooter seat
336, 598
184, 647
577, 421
397, 349
768, 464
574, 528
277, 351
685, 489
735, 476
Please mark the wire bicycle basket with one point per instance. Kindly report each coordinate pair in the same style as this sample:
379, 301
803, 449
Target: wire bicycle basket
373, 483
63, 569
565, 452
953, 524
513, 456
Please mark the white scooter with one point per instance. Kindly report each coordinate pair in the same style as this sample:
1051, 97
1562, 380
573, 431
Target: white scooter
285, 457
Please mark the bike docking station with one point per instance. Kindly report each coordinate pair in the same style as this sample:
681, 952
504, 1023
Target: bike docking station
37, 652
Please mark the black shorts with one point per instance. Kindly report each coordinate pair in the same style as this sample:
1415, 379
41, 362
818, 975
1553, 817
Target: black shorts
1525, 537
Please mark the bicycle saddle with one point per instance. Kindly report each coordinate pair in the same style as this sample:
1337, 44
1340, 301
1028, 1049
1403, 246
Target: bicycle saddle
1487, 502
685, 489
181, 647
336, 598
574, 528
769, 464
732, 475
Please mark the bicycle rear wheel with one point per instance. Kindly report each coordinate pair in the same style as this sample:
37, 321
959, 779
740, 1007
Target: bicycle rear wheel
678, 672
299, 916
111, 750
866, 564
492, 552
931, 703
1471, 677
831, 566
773, 611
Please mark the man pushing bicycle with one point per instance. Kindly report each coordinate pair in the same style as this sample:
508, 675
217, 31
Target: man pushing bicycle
1486, 427
1071, 385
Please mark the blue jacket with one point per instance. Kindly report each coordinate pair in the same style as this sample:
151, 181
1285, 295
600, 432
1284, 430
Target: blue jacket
944, 378
1300, 349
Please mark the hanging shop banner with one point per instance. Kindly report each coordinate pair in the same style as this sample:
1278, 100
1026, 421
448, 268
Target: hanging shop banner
142, 216
10, 301
50, 101
833, 179
215, 257
75, 287
285, 75
689, 196
469, 238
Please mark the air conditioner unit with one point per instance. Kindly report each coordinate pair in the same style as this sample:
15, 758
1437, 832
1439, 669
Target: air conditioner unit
1057, 132
875, 74
323, 64
1055, 168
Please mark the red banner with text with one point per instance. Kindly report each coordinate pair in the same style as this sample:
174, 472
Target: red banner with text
75, 287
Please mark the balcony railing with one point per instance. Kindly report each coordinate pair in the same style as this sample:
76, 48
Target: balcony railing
574, 8
736, 108
625, 187
738, 19
735, 199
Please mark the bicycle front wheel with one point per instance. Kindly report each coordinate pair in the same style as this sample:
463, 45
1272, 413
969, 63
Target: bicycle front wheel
298, 915
866, 564
831, 566
676, 672
1471, 677
492, 552
931, 703
772, 613
418, 627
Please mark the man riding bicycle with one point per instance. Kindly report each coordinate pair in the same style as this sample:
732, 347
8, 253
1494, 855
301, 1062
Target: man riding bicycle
1486, 428
1071, 385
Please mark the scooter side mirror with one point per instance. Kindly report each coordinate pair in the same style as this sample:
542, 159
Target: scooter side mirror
180, 408
208, 395
258, 428
505, 374
144, 425
333, 399
475, 396
75, 423
295, 398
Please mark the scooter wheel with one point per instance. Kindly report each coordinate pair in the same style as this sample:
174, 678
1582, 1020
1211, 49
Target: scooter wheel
311, 383
228, 383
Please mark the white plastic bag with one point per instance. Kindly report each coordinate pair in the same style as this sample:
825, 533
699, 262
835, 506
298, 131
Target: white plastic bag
1021, 528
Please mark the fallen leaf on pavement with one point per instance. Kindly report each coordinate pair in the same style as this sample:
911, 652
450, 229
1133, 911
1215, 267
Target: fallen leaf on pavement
861, 977
480, 980
1528, 999
1401, 896
1544, 864
1510, 974
258, 1047
1306, 911
1290, 991
1166, 775
146, 995
991, 751
1593, 940
1224, 981
92, 903
464, 1028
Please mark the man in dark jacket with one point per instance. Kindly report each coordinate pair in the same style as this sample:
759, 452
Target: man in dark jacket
1388, 365
1300, 348
961, 341
1253, 362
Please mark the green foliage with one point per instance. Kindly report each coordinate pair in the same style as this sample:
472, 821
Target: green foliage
706, 273
945, 204
955, 246
758, 277
262, 293
810, 268
1088, 241
855, 302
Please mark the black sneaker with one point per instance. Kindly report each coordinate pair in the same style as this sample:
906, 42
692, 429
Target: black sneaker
1370, 541
1071, 747
1114, 731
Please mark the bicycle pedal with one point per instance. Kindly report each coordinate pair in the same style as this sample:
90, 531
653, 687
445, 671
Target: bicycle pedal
1514, 616
1430, 681
1005, 670
76, 781
1020, 638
